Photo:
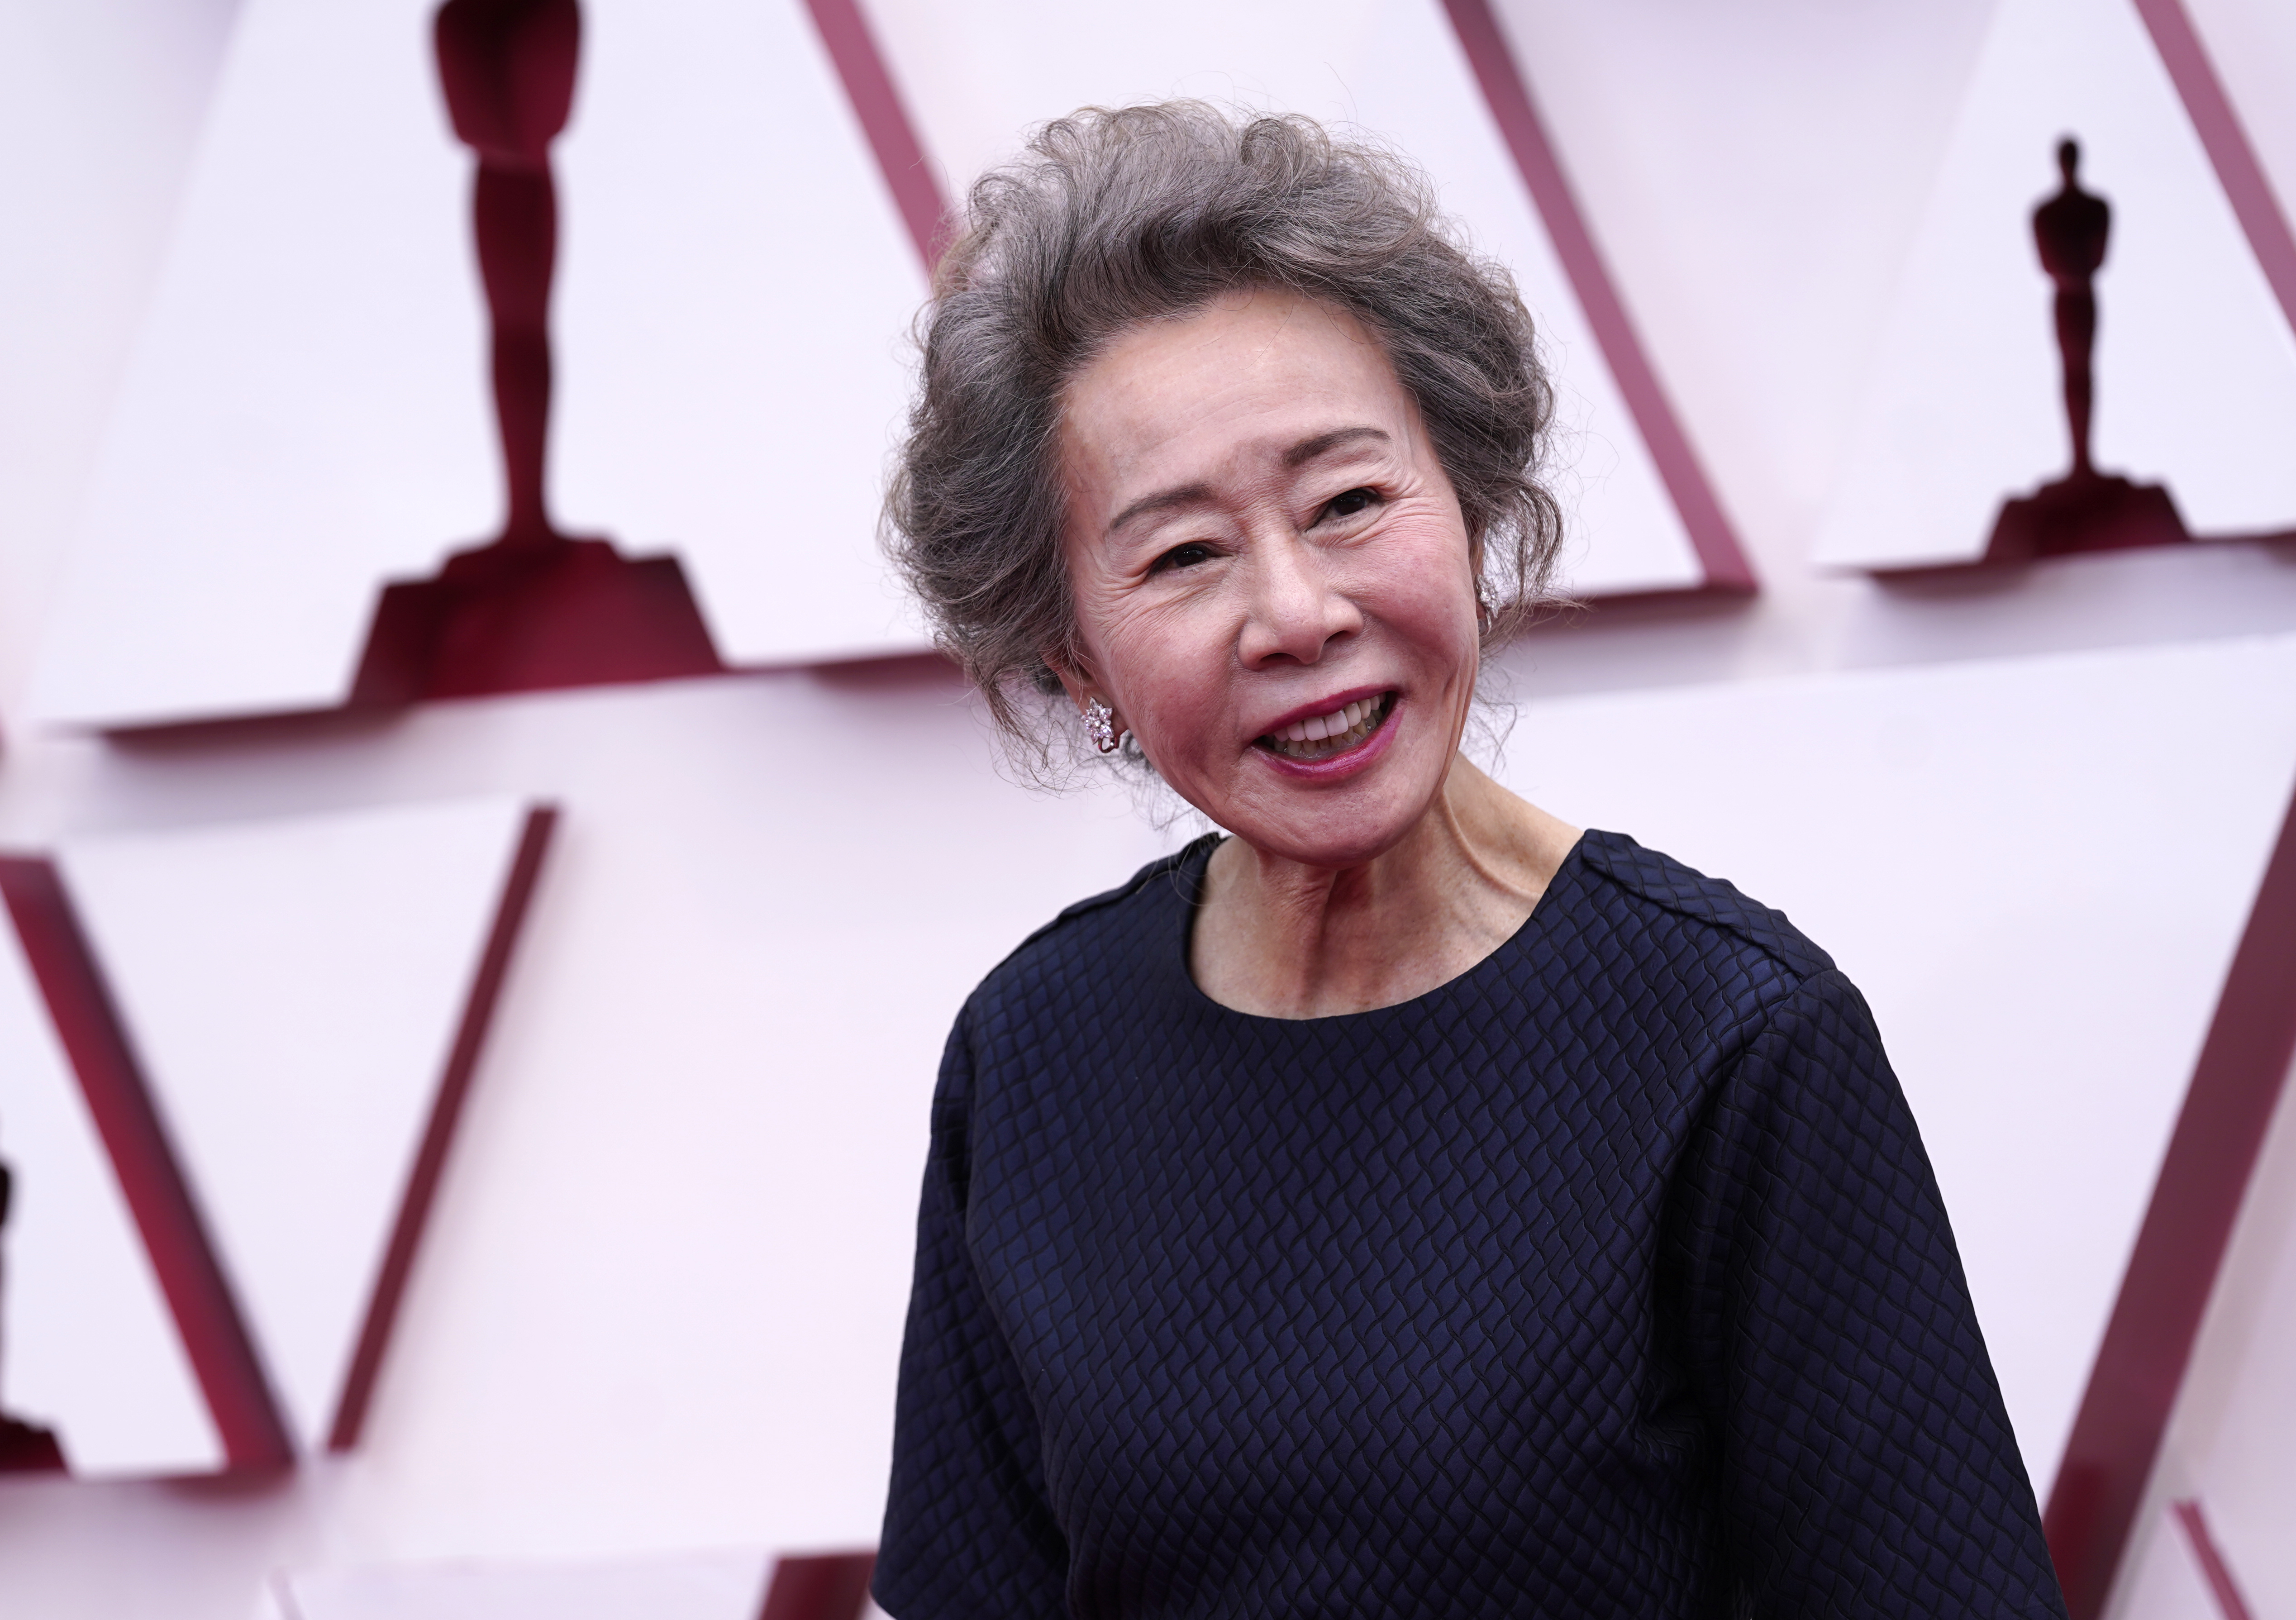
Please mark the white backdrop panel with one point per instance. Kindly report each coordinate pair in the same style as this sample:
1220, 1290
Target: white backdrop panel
307, 410
736, 289
87, 1345
2195, 363
978, 77
729, 1585
100, 104
294, 987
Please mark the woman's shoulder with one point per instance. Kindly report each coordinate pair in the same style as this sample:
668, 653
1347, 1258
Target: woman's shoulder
1642, 947
1683, 910
1104, 935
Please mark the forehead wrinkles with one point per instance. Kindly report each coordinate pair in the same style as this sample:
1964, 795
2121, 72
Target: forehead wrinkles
1216, 403
1231, 443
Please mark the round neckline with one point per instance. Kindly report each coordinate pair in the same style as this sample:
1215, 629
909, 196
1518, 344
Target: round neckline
1190, 872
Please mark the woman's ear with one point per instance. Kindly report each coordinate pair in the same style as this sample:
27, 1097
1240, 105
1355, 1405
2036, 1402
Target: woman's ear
1076, 682
1101, 724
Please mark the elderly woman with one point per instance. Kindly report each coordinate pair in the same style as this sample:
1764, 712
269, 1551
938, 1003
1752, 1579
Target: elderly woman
1407, 1204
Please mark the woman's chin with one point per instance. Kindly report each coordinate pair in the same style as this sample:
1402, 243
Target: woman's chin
1330, 831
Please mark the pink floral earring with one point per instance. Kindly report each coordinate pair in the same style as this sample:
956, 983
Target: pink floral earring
1100, 725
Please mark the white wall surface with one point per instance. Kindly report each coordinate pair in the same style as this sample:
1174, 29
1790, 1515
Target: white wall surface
658, 1306
695, 1586
92, 177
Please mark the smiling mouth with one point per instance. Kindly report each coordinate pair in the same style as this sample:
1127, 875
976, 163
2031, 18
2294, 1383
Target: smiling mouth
1350, 727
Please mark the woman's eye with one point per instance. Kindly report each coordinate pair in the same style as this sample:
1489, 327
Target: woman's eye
1348, 504
1184, 556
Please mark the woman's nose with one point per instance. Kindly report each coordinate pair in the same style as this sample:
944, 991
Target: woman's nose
1295, 610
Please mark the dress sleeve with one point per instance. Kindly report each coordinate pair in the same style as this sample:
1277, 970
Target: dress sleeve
1868, 1467
968, 1535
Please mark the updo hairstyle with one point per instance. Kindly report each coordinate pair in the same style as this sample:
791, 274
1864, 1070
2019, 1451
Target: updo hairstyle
1112, 219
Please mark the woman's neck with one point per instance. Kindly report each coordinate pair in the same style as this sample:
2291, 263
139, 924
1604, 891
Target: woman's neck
1284, 940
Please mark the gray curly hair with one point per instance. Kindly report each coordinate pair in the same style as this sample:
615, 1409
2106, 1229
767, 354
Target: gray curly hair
1113, 218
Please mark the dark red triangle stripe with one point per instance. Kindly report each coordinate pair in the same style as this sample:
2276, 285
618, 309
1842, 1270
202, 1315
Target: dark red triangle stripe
2227, 142
818, 1586
446, 1111
88, 1022
2231, 1603
1507, 93
884, 117
2148, 1342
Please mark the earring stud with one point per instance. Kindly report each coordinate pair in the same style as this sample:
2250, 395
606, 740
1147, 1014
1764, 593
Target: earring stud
1100, 725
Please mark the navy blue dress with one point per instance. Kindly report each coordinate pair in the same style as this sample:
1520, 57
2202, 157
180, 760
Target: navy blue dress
1609, 1279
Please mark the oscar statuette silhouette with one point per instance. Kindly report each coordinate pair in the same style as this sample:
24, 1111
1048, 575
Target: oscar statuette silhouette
533, 607
2085, 509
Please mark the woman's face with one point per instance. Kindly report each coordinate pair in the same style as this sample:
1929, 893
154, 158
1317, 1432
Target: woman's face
1274, 588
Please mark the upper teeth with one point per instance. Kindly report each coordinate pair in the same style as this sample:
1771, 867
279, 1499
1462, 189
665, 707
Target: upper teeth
1318, 727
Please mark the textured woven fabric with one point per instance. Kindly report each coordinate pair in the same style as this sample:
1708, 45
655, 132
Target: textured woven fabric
1609, 1279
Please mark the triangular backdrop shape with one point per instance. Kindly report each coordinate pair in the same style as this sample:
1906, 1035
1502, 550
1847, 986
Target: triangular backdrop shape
736, 288
89, 1347
975, 78
308, 415
307, 411
2195, 361
298, 991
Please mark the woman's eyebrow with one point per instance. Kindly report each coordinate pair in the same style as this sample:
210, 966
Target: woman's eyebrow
1322, 444
1197, 495
1186, 494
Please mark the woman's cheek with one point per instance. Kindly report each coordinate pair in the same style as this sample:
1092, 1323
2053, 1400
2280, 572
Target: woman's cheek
1180, 670
1189, 722
1426, 611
